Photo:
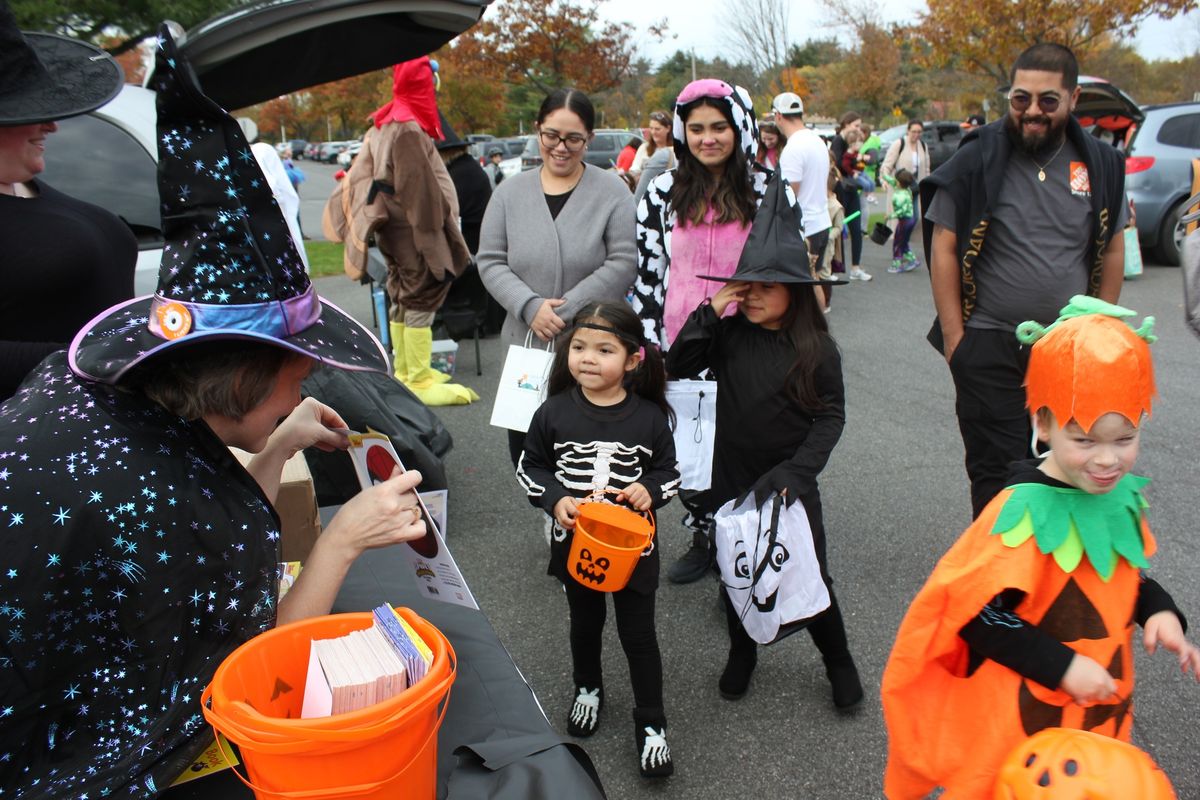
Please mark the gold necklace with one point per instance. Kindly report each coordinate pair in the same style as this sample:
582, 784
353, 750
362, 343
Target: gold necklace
1042, 167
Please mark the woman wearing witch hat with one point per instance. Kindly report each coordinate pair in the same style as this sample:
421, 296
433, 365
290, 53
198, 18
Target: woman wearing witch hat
64, 260
137, 553
780, 409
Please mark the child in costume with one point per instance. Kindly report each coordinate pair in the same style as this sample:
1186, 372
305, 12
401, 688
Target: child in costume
780, 409
605, 428
1027, 622
903, 258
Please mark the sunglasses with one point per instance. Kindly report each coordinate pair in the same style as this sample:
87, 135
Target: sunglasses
661, 119
1021, 101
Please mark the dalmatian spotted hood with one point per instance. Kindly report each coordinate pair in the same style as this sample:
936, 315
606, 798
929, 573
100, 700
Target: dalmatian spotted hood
740, 106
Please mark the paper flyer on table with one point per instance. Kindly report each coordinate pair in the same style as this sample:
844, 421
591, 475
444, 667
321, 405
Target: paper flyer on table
433, 568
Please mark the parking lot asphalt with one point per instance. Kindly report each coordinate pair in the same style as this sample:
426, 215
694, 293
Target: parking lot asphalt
895, 497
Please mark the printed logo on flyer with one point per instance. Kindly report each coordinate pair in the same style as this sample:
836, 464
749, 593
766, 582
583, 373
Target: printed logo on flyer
1081, 184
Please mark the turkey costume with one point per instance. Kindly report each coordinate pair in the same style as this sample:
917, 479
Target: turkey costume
137, 552
1046, 571
398, 191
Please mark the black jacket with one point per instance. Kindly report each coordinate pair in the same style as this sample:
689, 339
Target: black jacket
974, 175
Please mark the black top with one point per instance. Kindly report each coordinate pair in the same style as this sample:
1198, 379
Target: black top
759, 424
1000, 634
575, 447
474, 190
64, 261
555, 202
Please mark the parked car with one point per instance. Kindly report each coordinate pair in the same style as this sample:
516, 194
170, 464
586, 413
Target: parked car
513, 148
602, 152
109, 157
297, 146
312, 150
1158, 175
329, 151
941, 137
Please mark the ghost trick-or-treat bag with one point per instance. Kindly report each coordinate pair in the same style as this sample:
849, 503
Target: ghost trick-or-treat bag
769, 566
695, 406
522, 384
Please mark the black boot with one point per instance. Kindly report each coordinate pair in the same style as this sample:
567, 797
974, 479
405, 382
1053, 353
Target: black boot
584, 717
735, 680
828, 633
695, 562
650, 738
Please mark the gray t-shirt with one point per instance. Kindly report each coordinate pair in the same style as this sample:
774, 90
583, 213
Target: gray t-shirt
1034, 256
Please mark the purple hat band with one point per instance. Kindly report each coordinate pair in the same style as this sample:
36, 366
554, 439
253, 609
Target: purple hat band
278, 319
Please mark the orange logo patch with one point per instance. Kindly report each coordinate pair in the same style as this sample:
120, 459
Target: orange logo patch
1081, 184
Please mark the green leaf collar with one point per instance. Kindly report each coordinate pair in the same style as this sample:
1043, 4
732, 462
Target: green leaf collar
1068, 522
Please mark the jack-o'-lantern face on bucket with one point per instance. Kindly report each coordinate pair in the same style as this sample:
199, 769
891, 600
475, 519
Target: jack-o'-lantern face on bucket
1067, 764
590, 570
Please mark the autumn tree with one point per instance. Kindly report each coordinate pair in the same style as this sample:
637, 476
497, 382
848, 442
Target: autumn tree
473, 90
986, 36
92, 19
757, 33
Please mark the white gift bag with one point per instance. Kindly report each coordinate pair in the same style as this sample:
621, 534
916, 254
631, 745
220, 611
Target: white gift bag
522, 384
695, 405
769, 567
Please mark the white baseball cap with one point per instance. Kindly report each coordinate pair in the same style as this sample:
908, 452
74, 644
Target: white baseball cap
788, 103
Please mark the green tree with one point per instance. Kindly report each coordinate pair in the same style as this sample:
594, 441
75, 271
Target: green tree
816, 53
92, 19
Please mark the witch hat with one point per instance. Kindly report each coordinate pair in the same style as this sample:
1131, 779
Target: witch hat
230, 269
775, 252
45, 77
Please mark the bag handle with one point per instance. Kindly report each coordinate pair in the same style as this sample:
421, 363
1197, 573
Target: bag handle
598, 497
529, 342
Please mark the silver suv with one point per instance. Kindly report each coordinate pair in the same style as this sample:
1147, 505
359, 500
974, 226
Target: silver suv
1158, 174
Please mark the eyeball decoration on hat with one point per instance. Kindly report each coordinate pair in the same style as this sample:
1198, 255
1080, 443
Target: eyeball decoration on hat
230, 269
1089, 363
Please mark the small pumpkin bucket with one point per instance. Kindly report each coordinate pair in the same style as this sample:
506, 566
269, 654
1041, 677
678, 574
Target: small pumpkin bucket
607, 544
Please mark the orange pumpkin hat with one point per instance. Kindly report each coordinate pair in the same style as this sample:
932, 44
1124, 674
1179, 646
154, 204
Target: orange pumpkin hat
1089, 363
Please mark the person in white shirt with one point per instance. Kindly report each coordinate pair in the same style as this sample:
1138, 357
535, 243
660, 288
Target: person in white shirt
804, 164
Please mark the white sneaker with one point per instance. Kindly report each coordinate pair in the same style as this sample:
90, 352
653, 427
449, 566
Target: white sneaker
859, 275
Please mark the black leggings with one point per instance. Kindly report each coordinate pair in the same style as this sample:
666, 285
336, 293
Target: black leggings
851, 203
635, 628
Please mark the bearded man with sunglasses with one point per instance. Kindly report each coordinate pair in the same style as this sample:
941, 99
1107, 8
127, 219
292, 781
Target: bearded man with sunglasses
1023, 217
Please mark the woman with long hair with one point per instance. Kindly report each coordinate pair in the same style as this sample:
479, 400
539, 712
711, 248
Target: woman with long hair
659, 139
771, 144
693, 221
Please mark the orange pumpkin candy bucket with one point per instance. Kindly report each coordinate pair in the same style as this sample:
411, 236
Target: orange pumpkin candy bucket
1070, 764
607, 544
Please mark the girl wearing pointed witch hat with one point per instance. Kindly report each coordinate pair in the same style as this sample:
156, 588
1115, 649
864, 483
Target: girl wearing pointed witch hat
64, 260
140, 552
780, 409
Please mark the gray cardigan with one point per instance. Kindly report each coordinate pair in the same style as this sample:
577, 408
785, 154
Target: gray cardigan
588, 253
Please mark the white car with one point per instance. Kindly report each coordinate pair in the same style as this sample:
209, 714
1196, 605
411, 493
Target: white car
109, 157
346, 157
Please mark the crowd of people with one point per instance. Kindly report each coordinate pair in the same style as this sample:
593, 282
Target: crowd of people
719, 266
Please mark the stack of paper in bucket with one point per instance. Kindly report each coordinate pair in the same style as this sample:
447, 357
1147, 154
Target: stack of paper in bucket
364, 667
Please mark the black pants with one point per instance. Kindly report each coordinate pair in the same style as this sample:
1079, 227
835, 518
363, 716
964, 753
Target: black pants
516, 445
989, 371
828, 632
851, 203
635, 629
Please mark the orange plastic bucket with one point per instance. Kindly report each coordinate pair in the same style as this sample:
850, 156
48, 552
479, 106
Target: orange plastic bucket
388, 750
607, 544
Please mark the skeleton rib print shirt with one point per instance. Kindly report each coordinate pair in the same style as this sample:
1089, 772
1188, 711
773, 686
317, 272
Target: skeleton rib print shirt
575, 448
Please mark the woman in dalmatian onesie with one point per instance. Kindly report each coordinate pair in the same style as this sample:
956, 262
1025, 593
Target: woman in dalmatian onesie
605, 430
692, 221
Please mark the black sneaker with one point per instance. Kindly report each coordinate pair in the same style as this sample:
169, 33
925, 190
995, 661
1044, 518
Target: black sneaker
735, 680
584, 717
653, 751
695, 562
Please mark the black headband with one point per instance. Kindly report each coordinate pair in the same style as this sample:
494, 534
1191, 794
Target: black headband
624, 337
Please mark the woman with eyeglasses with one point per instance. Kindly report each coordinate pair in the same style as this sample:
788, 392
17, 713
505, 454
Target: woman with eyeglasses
694, 220
559, 236
659, 139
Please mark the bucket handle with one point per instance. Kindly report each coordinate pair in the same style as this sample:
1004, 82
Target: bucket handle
343, 791
598, 497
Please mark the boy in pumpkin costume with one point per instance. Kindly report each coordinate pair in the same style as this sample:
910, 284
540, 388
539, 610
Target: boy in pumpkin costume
1027, 622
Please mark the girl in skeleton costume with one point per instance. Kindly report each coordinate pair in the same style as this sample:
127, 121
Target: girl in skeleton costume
605, 428
780, 410
694, 220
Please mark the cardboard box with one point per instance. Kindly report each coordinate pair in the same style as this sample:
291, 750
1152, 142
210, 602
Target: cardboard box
296, 505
